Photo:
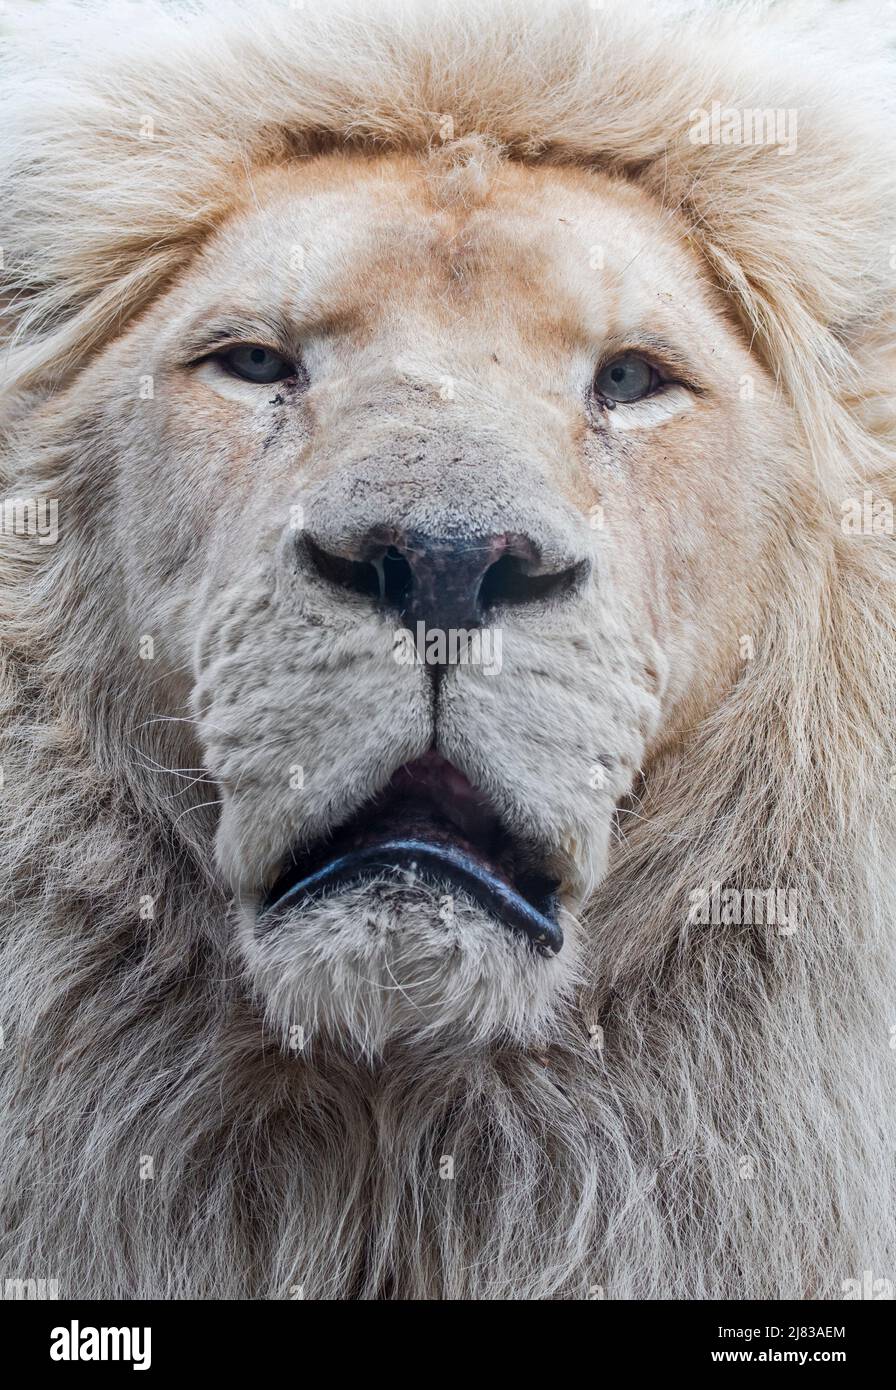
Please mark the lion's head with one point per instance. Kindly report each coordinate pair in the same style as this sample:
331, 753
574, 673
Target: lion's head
451, 604
438, 519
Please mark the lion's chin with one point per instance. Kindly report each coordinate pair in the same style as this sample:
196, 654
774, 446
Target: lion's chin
386, 962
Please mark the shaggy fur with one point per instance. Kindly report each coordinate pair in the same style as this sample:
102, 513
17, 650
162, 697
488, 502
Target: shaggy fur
706, 1112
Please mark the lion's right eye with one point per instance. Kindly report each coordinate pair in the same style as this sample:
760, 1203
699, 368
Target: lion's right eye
255, 363
627, 378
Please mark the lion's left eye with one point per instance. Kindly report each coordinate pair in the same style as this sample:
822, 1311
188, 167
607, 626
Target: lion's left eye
627, 378
255, 363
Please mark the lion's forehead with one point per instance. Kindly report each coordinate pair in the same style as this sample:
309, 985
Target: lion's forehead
558, 257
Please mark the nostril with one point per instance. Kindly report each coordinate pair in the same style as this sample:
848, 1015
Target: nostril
386, 577
396, 580
443, 582
356, 576
508, 582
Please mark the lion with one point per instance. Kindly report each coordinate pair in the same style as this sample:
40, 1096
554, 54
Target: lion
448, 799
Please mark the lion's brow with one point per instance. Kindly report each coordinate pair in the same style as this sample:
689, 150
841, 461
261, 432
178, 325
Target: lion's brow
238, 326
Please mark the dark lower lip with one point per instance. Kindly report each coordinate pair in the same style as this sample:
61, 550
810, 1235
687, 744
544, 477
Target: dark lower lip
437, 863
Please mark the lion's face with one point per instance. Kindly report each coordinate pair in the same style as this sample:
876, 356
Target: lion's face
520, 416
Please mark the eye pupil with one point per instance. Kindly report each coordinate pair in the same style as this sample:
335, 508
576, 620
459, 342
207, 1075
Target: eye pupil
618, 373
258, 355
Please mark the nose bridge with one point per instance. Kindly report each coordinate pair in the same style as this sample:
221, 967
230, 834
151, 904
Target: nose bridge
441, 512
444, 412
432, 472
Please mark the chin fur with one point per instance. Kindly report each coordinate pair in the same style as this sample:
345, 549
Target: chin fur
384, 962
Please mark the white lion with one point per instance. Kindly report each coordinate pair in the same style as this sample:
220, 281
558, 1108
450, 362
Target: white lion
448, 807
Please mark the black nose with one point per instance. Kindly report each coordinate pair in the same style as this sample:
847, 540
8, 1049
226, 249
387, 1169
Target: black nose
446, 583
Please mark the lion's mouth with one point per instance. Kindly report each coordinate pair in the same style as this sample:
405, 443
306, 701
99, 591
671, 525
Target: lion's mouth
430, 823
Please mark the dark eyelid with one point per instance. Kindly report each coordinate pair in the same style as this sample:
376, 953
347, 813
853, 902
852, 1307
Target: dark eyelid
229, 345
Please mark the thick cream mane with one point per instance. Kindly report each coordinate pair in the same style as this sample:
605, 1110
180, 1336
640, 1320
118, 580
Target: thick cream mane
718, 1094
